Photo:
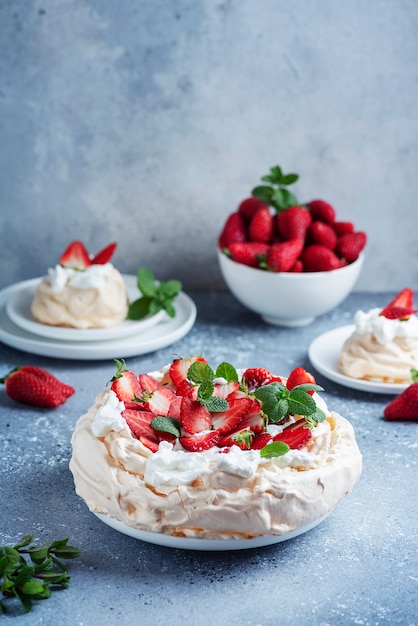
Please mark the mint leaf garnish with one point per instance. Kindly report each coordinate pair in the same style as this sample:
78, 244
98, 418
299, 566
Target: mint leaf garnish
156, 296
199, 372
277, 402
215, 404
227, 371
276, 193
167, 425
414, 375
276, 448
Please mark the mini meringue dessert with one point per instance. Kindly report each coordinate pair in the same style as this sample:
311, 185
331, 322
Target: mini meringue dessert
384, 345
193, 452
81, 291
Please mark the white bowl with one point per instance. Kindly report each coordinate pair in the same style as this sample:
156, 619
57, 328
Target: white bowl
286, 298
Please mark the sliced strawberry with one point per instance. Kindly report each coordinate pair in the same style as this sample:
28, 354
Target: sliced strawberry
253, 421
249, 207
126, 386
194, 417
321, 210
104, 255
255, 377
175, 408
224, 390
140, 423
299, 376
149, 443
148, 383
159, 401
260, 441
75, 256
227, 421
241, 438
200, 442
187, 389
295, 438
398, 312
180, 367
405, 298
249, 253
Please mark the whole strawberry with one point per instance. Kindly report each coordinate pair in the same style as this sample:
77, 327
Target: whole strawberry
404, 406
35, 386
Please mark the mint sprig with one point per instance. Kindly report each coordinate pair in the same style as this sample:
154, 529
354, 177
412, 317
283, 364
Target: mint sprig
167, 424
275, 448
203, 375
276, 193
156, 296
29, 572
278, 402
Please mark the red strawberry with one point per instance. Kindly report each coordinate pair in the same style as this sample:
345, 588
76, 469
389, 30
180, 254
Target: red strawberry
297, 268
405, 298
159, 401
342, 228
151, 444
299, 376
75, 256
248, 252
350, 245
253, 421
187, 389
255, 377
148, 383
261, 227
35, 386
249, 207
241, 438
234, 230
260, 441
404, 406
322, 234
104, 255
140, 423
200, 442
281, 257
175, 408
224, 390
180, 367
227, 421
398, 312
125, 384
295, 438
194, 417
321, 210
317, 258
293, 223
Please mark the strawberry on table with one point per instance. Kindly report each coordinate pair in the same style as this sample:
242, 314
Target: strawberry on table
35, 386
404, 406
75, 256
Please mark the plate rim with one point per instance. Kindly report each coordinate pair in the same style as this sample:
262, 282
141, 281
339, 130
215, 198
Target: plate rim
342, 333
161, 335
75, 334
202, 544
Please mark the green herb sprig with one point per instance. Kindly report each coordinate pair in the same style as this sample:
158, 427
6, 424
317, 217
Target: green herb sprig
278, 402
156, 296
203, 375
29, 572
276, 193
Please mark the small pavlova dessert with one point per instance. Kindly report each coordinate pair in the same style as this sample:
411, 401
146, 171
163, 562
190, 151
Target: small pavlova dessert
384, 344
217, 454
81, 291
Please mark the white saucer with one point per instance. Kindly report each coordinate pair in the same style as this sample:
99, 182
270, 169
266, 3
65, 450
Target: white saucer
215, 545
162, 334
18, 309
324, 352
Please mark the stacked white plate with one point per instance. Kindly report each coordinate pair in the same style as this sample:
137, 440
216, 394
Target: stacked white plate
18, 328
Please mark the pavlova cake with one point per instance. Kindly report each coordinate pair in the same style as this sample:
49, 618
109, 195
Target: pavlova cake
217, 454
384, 344
81, 291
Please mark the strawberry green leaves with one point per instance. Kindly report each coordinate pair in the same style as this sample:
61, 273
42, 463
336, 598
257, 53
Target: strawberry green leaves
29, 579
278, 402
156, 296
276, 193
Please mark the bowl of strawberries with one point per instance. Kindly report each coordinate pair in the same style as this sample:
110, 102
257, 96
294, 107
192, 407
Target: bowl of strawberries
285, 260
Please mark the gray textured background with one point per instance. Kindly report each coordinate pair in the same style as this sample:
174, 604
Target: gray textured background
147, 121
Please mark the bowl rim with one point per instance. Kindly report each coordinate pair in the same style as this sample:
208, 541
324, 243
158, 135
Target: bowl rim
296, 275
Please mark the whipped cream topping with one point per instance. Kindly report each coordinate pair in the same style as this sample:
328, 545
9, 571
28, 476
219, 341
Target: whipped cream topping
92, 298
381, 349
214, 493
383, 329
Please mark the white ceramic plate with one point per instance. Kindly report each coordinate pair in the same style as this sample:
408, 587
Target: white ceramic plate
324, 352
215, 545
159, 336
18, 309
